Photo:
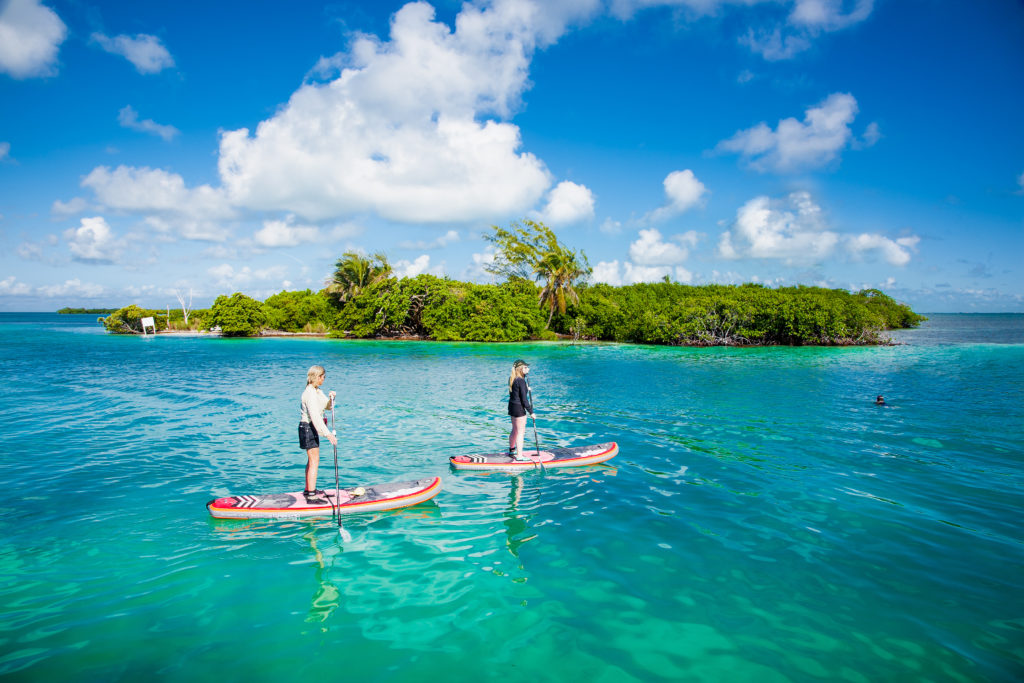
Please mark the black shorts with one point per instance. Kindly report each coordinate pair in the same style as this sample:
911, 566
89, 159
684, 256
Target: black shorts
516, 410
308, 438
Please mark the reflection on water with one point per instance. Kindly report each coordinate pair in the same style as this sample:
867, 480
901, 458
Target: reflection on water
327, 595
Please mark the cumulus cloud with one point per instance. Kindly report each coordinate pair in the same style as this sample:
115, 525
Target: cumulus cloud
284, 233
444, 240
93, 241
796, 145
10, 286
794, 230
194, 213
401, 131
145, 52
895, 252
419, 265
627, 273
568, 203
650, 250
683, 191
73, 287
791, 230
129, 118
30, 36
609, 226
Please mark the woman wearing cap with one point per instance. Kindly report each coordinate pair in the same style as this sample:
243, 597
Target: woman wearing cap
518, 406
312, 427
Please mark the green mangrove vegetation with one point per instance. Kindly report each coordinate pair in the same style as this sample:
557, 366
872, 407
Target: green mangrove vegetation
68, 310
544, 295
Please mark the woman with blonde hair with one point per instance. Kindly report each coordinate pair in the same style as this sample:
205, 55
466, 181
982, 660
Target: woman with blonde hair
312, 427
518, 406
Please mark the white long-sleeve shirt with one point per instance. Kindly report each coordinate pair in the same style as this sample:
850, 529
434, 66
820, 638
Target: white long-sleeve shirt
314, 402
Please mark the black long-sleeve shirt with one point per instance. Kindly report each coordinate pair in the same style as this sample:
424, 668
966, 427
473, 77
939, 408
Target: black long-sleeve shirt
519, 398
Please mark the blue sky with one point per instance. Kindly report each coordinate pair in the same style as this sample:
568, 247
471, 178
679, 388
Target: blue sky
154, 148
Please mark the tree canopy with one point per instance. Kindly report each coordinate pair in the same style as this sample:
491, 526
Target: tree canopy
354, 272
532, 251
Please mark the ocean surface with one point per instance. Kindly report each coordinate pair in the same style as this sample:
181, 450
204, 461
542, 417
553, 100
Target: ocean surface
764, 520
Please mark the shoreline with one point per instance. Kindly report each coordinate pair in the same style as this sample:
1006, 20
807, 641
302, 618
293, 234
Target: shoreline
561, 338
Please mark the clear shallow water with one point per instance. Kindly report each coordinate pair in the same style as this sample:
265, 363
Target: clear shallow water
763, 521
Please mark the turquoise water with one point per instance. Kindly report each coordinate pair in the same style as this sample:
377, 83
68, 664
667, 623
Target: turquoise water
764, 521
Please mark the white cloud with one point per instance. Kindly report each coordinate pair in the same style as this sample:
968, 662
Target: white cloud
1020, 183
774, 45
5, 149
871, 136
129, 118
607, 272
227, 276
416, 267
476, 271
650, 250
791, 230
612, 273
285, 233
796, 145
93, 241
9, 286
895, 252
146, 52
146, 189
807, 20
794, 230
69, 208
73, 287
444, 240
401, 131
195, 213
683, 191
30, 36
568, 203
827, 15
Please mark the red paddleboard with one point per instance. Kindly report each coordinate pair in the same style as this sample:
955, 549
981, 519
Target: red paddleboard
371, 499
577, 456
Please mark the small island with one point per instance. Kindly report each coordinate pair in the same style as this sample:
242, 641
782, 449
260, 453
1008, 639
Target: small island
544, 296
67, 310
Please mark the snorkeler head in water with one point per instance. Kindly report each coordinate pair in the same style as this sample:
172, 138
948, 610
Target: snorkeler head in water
880, 401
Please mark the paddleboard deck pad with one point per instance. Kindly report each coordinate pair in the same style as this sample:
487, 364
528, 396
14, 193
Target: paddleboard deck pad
372, 499
577, 456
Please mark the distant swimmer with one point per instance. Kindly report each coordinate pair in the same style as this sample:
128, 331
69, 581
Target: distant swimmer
880, 401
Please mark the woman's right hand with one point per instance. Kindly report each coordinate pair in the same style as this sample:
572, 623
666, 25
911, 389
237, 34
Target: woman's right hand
333, 439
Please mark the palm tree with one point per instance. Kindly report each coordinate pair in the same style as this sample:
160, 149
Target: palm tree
354, 272
561, 269
533, 251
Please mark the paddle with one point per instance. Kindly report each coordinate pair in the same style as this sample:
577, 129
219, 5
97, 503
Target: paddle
536, 441
345, 536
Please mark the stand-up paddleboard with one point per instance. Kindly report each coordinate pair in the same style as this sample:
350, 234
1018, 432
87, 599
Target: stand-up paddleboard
552, 457
372, 499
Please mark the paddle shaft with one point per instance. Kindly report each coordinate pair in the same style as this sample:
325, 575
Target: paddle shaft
536, 441
337, 491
